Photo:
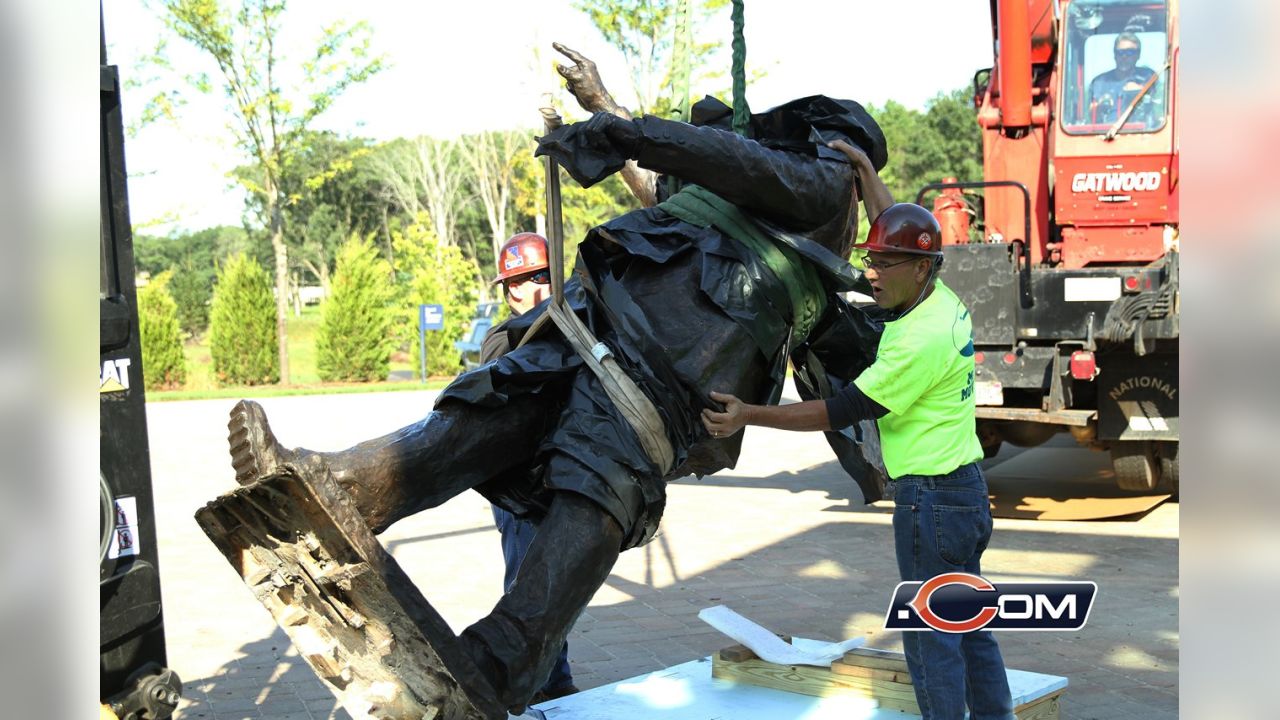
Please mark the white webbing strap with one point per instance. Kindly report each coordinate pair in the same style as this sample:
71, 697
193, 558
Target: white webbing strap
634, 405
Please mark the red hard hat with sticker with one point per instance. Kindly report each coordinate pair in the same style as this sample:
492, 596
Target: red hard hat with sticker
522, 254
904, 228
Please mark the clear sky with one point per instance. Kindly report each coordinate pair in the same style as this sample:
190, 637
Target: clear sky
466, 66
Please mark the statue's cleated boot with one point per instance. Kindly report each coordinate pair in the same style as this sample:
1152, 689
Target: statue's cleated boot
255, 453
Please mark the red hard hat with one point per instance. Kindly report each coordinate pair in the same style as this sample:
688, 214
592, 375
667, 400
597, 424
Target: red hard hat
524, 253
904, 228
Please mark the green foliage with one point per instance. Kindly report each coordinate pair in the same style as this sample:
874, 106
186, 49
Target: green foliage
581, 208
192, 290
356, 333
242, 325
953, 119
203, 249
585, 208
435, 273
424, 177
192, 258
329, 192
924, 147
163, 365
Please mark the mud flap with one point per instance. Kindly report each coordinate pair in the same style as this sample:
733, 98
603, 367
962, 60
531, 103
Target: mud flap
1138, 398
352, 613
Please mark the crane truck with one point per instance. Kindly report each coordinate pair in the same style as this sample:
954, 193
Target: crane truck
1066, 252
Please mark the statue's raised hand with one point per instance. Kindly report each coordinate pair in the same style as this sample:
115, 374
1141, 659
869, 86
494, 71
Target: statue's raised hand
583, 81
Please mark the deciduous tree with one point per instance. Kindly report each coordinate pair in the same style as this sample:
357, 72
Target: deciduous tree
424, 175
268, 123
492, 158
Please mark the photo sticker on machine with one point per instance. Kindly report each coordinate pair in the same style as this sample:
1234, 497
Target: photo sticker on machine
124, 541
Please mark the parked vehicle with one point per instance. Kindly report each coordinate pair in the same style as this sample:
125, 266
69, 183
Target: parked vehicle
469, 347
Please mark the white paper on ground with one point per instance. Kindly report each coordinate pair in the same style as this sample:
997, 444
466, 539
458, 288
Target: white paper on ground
769, 646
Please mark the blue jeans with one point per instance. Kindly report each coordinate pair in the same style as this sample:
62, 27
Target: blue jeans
942, 523
516, 535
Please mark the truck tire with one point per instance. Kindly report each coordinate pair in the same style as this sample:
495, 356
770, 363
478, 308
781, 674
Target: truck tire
1169, 468
1135, 465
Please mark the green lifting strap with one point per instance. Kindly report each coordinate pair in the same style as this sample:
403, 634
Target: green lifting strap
741, 112
699, 206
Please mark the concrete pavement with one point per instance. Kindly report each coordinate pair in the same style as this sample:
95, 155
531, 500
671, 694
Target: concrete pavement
783, 539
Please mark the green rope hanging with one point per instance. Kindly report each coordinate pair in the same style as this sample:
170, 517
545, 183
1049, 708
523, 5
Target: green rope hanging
741, 113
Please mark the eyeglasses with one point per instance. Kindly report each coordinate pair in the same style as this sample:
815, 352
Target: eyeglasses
1127, 52
882, 266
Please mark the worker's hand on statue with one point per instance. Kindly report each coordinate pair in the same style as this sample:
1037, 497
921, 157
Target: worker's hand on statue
583, 81
724, 424
856, 156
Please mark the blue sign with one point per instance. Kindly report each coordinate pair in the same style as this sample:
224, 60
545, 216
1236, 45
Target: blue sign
431, 317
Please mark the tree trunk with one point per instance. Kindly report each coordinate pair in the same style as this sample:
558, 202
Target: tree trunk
282, 280
386, 236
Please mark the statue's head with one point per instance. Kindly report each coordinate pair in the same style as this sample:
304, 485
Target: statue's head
804, 125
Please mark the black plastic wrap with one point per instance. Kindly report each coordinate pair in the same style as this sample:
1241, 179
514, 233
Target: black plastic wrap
837, 351
685, 309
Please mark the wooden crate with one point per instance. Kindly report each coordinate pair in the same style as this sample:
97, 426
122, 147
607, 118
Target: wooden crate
878, 675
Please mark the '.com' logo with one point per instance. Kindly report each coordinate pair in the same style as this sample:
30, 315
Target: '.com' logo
960, 602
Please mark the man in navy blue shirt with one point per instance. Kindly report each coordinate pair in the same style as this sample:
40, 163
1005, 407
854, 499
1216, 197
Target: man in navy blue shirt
1112, 91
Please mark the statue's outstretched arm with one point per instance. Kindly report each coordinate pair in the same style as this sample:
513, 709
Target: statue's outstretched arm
798, 191
583, 80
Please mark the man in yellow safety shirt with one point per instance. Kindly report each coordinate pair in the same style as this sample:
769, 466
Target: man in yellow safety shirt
920, 392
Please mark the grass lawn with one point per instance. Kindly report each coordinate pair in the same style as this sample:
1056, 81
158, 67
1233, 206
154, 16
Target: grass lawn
302, 369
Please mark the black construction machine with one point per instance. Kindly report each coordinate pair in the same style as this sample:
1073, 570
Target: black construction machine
134, 683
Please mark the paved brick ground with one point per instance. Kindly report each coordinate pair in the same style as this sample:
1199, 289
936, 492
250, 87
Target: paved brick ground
781, 539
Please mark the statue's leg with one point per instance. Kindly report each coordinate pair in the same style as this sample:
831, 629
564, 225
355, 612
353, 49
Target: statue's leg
455, 448
571, 556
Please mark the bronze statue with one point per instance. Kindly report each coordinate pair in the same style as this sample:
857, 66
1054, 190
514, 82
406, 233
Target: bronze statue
715, 287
